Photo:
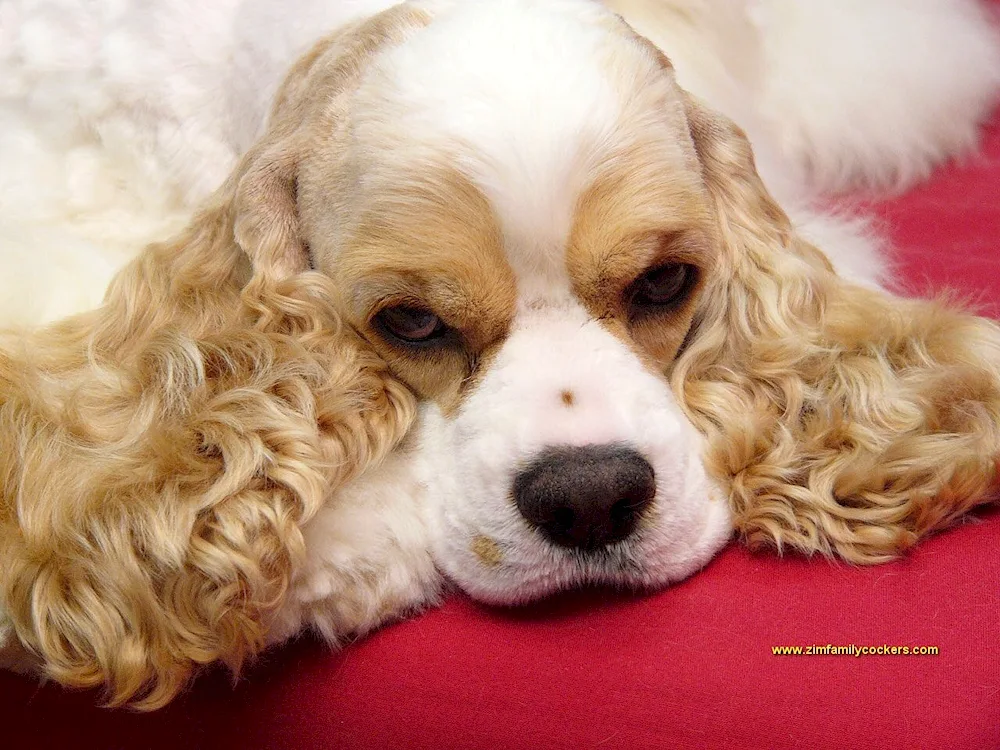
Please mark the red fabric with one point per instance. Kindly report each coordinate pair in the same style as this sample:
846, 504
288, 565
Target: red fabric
691, 666
945, 231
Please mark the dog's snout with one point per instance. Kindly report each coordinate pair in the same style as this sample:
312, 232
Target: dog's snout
586, 497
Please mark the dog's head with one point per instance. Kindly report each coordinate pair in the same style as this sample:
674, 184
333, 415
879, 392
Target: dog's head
510, 200
616, 335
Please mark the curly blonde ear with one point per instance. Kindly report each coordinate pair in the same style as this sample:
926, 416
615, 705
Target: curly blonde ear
159, 455
844, 420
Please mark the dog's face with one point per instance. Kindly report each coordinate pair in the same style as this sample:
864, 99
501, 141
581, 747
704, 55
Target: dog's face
576, 269
517, 223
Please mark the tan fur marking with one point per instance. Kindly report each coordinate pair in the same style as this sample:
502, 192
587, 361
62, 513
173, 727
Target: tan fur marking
487, 550
637, 215
433, 243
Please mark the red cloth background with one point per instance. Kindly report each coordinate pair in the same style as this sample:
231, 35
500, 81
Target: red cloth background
691, 666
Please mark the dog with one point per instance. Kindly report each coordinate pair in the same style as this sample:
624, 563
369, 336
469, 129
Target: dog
490, 300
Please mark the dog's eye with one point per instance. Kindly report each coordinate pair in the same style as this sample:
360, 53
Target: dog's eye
662, 286
410, 324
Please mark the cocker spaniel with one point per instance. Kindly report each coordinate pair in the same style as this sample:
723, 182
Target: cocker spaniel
491, 299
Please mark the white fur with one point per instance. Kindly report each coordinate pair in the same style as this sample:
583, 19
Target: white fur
118, 116
905, 84
367, 550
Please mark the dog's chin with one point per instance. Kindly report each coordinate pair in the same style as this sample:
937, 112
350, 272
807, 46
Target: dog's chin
502, 575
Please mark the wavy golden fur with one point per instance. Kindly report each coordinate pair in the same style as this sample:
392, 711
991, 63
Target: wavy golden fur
159, 455
843, 420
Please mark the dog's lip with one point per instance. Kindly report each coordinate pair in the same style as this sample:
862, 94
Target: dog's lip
525, 583
545, 587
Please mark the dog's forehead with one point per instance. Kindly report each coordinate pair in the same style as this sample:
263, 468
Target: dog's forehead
531, 102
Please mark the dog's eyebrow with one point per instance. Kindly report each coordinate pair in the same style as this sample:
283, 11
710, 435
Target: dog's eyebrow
378, 290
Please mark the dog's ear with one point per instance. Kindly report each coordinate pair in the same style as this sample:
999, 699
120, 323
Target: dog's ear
158, 456
844, 420
311, 102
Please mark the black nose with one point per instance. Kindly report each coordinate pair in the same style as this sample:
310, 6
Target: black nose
585, 497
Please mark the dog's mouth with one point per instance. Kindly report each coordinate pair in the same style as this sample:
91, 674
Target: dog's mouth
610, 559
502, 579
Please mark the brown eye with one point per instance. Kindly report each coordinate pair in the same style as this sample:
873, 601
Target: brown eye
410, 324
662, 286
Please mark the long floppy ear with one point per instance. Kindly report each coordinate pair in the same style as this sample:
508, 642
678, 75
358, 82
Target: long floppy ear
844, 420
158, 456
